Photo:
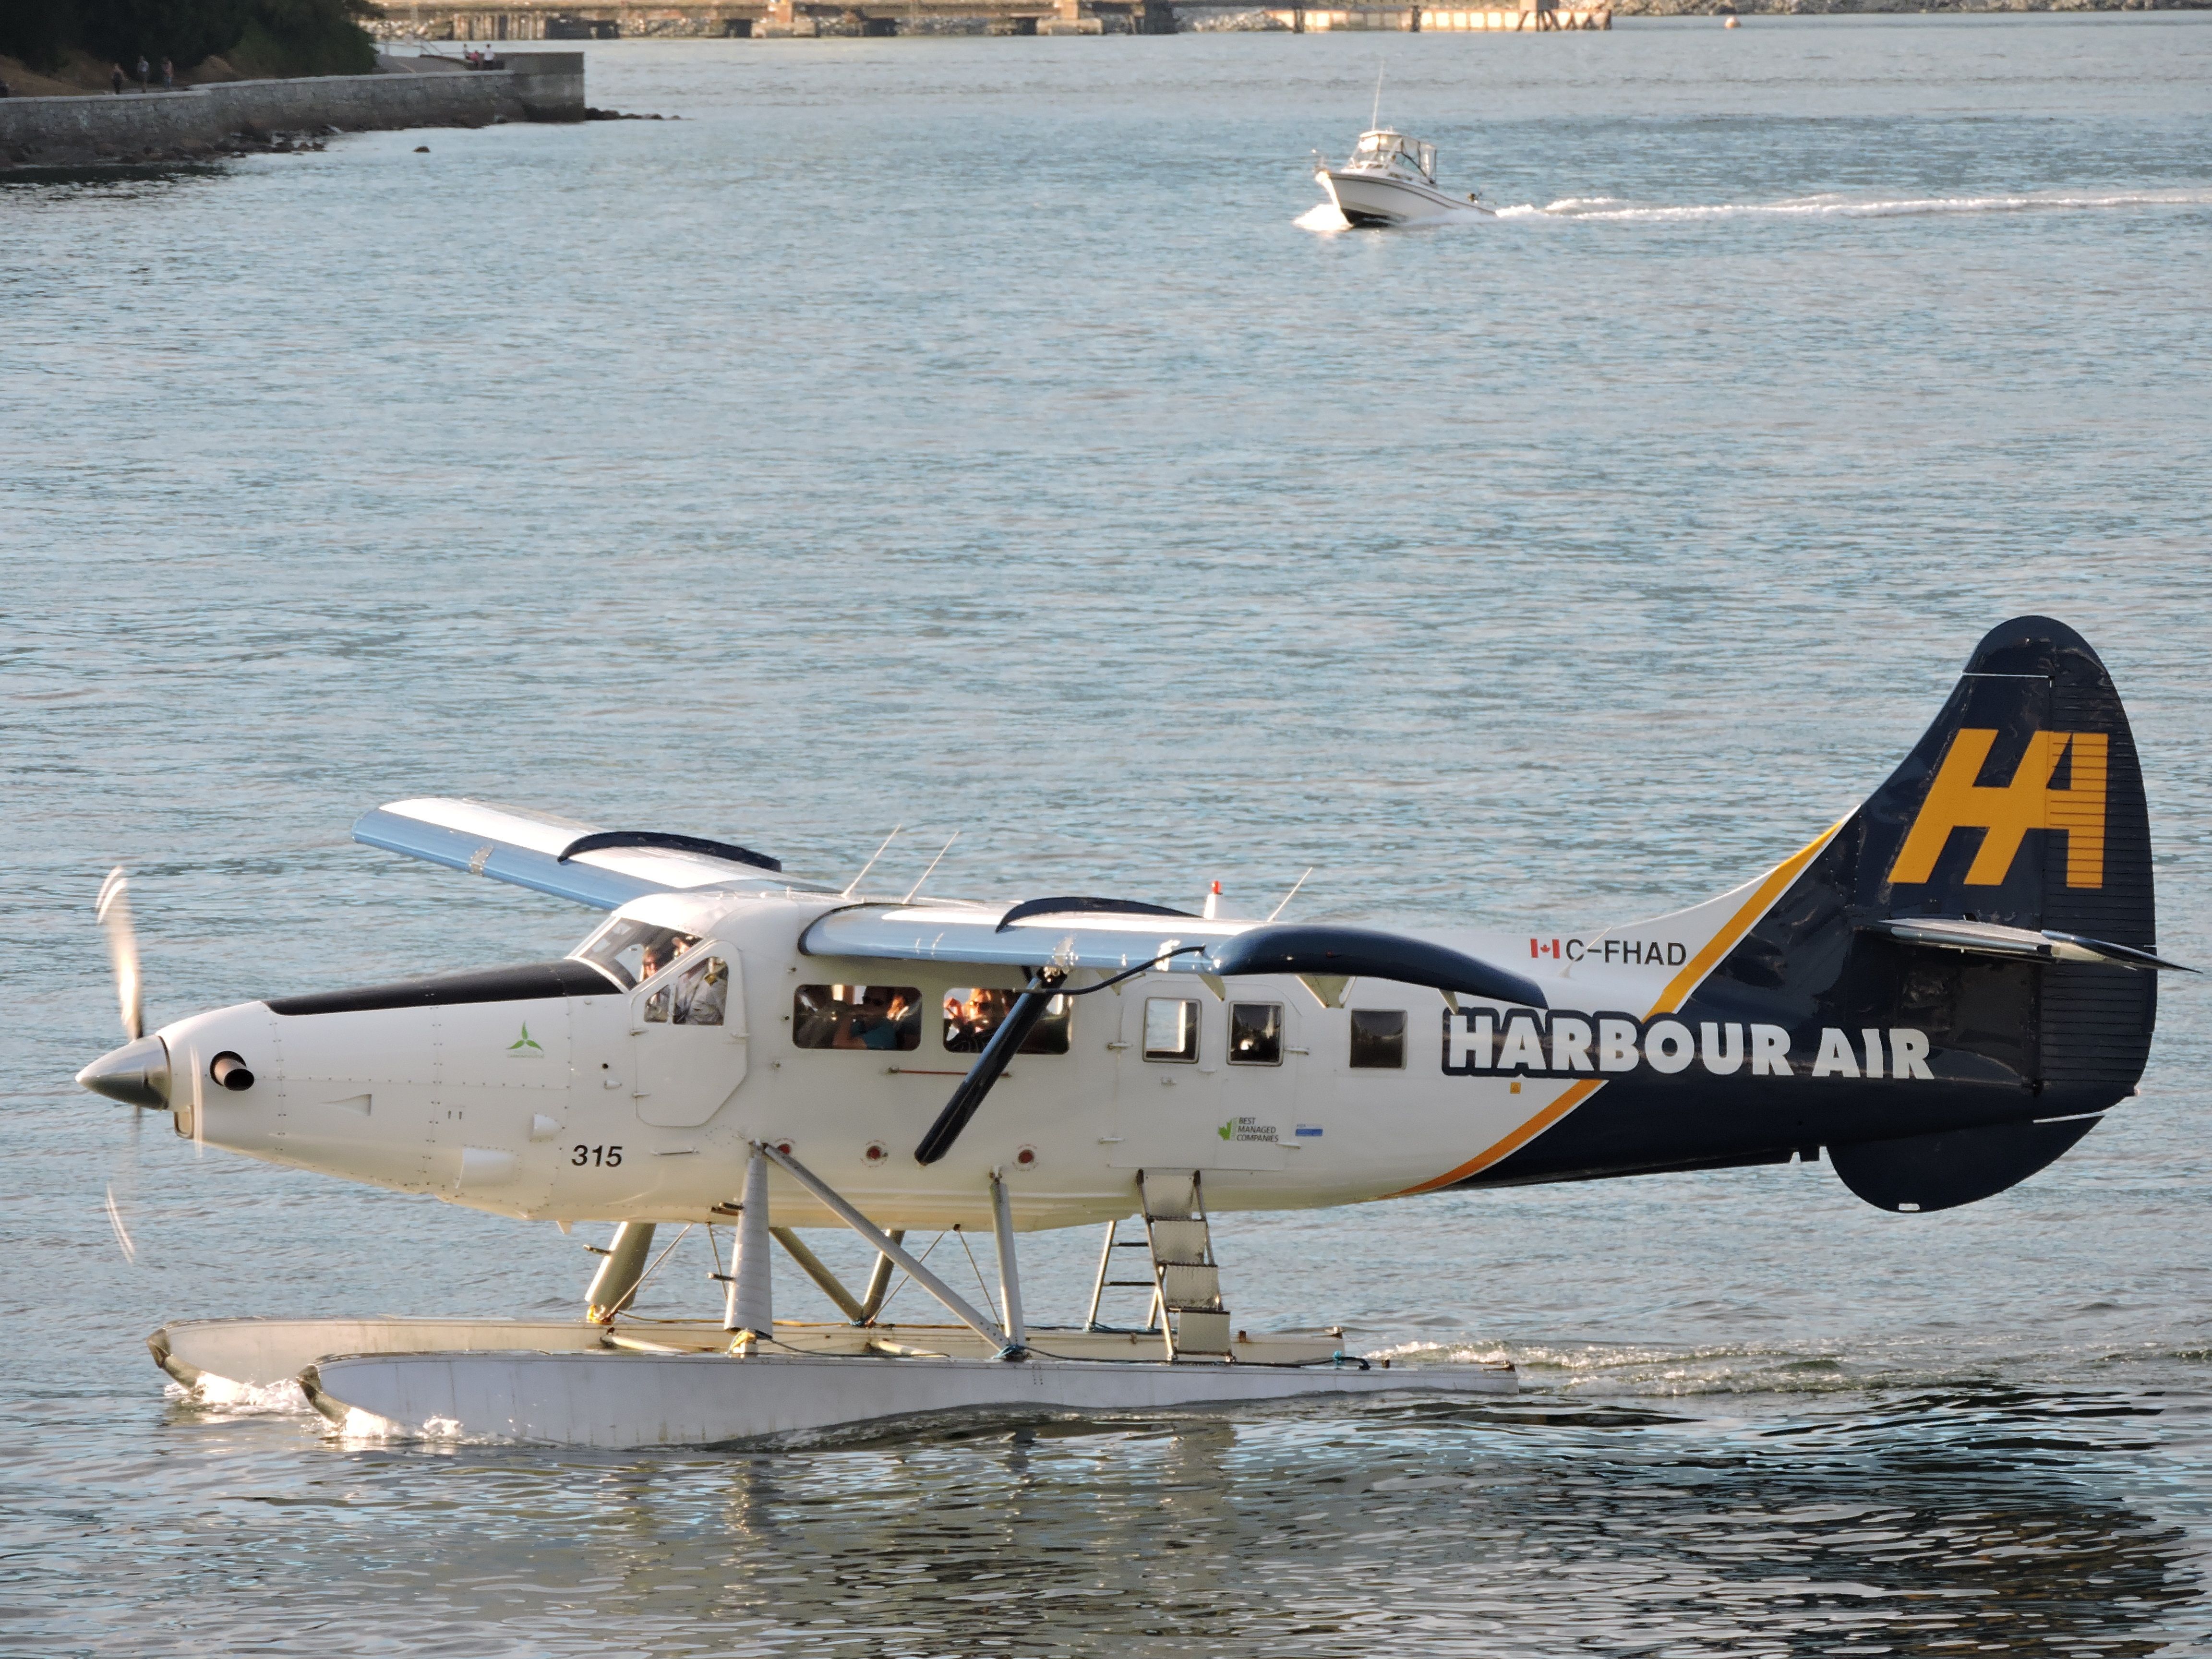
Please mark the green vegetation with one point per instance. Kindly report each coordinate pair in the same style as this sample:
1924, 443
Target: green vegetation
259, 37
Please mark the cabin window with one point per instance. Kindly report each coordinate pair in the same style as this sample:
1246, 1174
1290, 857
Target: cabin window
882, 1017
1170, 1029
1378, 1039
972, 1013
634, 952
1255, 1033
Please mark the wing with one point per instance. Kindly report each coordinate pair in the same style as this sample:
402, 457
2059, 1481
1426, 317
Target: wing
1118, 937
599, 867
1084, 935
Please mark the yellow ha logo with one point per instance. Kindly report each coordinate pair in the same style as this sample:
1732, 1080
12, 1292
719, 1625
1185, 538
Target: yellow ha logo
2007, 813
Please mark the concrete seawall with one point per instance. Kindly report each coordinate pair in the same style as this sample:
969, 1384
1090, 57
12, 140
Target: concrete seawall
59, 131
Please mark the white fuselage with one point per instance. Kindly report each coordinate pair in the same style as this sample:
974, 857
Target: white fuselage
580, 1107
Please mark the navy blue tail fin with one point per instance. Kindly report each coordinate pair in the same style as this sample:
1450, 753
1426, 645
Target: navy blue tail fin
2023, 806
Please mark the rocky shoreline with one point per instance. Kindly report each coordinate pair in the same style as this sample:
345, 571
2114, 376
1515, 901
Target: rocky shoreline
241, 117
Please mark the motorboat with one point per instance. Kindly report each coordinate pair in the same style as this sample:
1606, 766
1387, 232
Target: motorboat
1391, 180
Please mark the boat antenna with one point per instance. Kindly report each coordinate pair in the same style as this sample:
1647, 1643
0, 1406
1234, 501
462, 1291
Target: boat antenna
1375, 115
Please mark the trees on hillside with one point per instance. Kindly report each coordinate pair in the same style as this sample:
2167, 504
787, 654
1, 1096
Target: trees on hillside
286, 37
184, 30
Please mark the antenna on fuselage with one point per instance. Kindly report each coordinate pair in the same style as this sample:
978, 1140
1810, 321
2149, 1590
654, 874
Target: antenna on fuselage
871, 863
1292, 894
941, 852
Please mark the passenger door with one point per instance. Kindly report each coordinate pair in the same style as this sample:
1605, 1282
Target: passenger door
1263, 1066
688, 1036
1177, 1103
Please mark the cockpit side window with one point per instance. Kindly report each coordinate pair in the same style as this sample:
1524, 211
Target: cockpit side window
634, 952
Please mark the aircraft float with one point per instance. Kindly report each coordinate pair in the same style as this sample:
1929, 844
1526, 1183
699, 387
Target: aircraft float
1942, 993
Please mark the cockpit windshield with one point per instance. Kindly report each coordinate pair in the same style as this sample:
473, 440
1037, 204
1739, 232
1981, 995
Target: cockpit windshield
634, 952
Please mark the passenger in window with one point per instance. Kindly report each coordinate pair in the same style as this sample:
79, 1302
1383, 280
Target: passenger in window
969, 1023
900, 1026
972, 1014
874, 1021
1255, 1033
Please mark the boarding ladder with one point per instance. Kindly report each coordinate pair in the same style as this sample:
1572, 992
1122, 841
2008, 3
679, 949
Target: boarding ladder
1186, 1307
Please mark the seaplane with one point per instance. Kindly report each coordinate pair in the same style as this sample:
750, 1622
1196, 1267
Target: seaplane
1939, 994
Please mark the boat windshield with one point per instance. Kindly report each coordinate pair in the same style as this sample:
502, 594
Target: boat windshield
1385, 148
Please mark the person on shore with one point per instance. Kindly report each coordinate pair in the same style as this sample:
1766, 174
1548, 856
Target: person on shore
116, 80
145, 71
168, 76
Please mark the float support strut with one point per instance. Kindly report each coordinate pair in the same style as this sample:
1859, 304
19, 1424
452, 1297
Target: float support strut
616, 1280
879, 1281
751, 1310
835, 1204
816, 1269
1010, 1277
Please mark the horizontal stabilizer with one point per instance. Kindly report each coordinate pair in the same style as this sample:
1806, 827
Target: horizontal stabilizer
599, 867
1989, 938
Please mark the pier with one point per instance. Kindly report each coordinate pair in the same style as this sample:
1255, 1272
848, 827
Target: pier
577, 20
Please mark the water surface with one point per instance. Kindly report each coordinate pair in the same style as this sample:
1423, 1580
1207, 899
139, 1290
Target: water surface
966, 432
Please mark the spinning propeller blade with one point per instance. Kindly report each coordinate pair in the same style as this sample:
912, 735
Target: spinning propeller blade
137, 1073
114, 912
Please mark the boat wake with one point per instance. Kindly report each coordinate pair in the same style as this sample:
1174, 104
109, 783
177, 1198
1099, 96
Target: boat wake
1323, 217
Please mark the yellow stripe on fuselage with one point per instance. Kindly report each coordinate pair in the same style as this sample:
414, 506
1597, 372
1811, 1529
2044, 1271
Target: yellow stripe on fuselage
1677, 993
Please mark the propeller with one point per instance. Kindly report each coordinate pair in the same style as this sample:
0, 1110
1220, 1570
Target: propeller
113, 909
137, 1073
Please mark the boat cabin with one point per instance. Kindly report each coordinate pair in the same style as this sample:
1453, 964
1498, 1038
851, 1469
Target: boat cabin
1393, 152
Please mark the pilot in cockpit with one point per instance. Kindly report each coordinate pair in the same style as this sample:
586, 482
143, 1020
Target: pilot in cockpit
660, 952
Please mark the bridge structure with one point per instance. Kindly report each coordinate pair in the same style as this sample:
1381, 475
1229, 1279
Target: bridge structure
607, 19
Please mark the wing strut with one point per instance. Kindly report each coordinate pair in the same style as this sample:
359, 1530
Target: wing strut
1013, 1030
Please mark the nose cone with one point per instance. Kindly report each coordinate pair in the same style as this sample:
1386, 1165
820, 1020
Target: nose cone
138, 1074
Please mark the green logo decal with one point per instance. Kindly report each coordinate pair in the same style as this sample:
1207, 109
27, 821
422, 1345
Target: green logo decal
1227, 1130
525, 1044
